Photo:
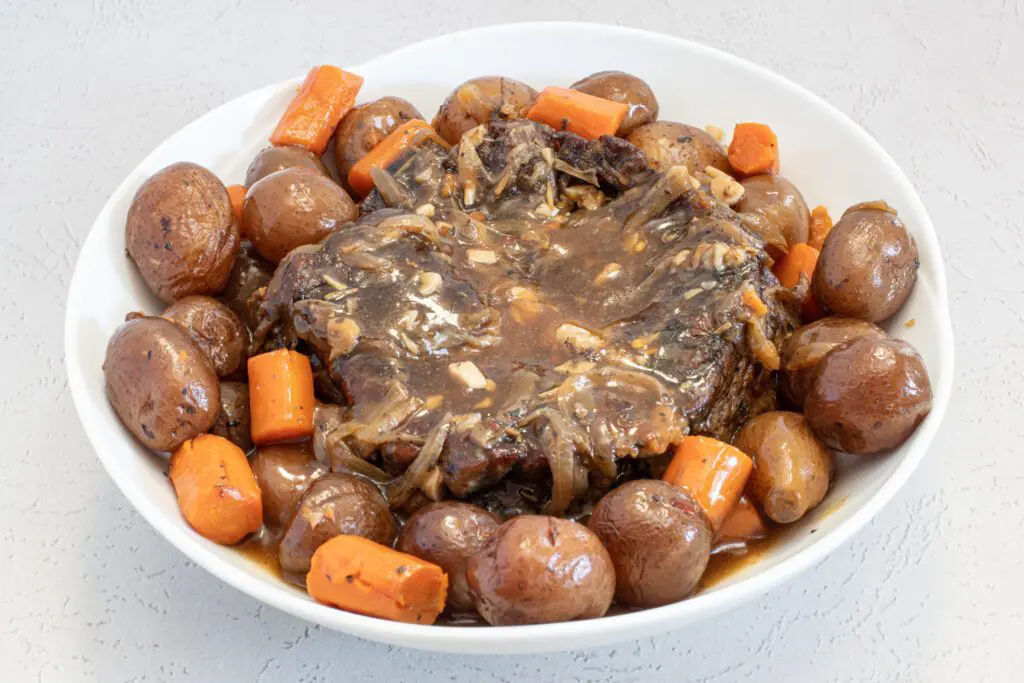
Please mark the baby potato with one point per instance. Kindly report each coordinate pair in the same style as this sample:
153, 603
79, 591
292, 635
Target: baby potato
160, 383
334, 504
274, 159
285, 472
803, 349
479, 100
868, 264
181, 232
540, 570
233, 420
667, 144
868, 395
448, 534
792, 469
774, 208
659, 540
292, 208
215, 328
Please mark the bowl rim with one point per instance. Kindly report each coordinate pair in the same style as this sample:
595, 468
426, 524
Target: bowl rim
541, 637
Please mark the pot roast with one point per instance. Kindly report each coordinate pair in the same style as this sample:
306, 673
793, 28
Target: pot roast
531, 312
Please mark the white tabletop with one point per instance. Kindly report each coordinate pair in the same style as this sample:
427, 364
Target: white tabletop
929, 591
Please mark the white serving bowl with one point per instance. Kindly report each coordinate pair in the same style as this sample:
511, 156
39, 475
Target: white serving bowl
831, 160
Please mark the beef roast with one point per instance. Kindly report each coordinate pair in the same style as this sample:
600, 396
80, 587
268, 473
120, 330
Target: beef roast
566, 303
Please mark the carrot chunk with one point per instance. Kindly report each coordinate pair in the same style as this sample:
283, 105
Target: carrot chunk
217, 491
744, 523
577, 112
713, 472
281, 399
801, 260
754, 149
359, 575
407, 136
310, 119
236, 193
821, 225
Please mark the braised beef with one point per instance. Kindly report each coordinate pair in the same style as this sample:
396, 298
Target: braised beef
561, 300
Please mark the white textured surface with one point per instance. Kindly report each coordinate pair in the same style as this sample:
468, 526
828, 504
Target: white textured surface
929, 591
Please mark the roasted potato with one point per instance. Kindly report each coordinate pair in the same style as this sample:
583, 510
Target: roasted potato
181, 233
868, 395
233, 420
658, 538
274, 159
292, 208
448, 534
334, 504
538, 570
773, 208
480, 100
215, 328
667, 144
284, 472
868, 264
365, 126
792, 469
250, 273
803, 349
160, 383
619, 86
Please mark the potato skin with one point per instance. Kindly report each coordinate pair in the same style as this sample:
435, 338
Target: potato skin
774, 208
803, 349
868, 264
479, 100
667, 144
233, 420
181, 233
448, 534
365, 126
868, 395
284, 472
537, 570
274, 159
292, 208
249, 273
631, 90
792, 469
658, 538
334, 504
214, 328
160, 383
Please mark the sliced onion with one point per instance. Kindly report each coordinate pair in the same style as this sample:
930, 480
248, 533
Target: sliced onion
561, 455
399, 490
330, 448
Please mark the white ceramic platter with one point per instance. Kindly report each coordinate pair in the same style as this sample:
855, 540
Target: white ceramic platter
826, 155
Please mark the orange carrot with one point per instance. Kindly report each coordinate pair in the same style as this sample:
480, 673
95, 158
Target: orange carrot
821, 224
754, 149
281, 400
577, 112
407, 136
236, 193
801, 260
310, 119
217, 491
744, 523
359, 575
713, 472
